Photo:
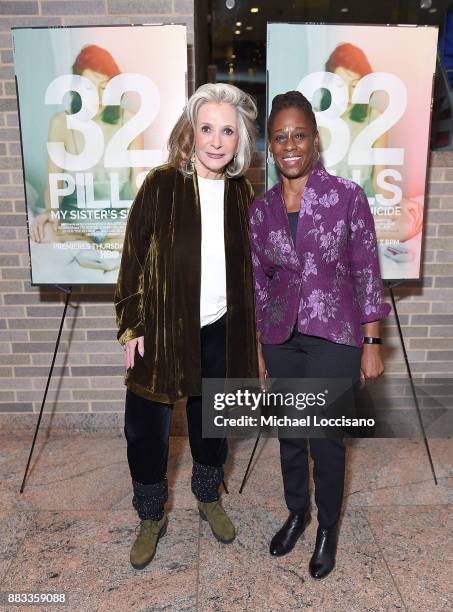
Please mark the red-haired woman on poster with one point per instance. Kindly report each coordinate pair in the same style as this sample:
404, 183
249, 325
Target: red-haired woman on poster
98, 66
350, 63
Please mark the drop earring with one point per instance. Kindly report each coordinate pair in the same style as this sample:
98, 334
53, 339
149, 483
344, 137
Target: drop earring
190, 164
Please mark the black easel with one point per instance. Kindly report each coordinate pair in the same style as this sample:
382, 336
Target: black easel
390, 286
67, 291
250, 461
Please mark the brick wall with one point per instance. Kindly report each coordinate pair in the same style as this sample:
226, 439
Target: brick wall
87, 385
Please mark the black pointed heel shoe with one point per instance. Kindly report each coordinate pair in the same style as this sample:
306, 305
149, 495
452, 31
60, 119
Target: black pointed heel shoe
323, 558
285, 539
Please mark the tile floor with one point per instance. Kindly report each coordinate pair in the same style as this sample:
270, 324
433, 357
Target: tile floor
72, 528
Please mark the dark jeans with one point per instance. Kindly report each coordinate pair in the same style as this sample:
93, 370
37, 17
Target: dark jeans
311, 357
147, 423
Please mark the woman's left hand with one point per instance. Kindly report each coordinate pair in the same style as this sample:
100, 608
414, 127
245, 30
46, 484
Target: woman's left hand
371, 365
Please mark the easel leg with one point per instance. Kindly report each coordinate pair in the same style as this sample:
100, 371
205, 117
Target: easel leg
250, 461
414, 393
57, 344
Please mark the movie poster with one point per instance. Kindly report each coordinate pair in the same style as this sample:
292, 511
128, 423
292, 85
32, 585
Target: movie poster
371, 88
97, 105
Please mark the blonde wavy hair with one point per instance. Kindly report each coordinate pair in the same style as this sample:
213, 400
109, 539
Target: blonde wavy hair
181, 144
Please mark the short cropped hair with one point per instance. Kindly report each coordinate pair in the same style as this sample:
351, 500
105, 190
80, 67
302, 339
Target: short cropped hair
291, 99
181, 143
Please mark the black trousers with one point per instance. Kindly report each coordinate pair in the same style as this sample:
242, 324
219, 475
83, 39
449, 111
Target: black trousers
147, 423
311, 357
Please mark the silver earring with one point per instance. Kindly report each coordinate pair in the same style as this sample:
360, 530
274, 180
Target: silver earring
233, 161
270, 157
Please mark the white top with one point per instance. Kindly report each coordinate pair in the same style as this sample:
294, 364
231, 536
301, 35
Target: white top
213, 274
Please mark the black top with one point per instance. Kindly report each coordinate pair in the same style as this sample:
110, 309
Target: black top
293, 218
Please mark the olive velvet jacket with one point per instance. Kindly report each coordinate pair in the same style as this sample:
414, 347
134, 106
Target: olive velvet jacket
158, 290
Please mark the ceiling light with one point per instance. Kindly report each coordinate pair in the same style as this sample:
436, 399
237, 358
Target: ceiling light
344, 10
238, 23
254, 9
237, 32
432, 10
248, 28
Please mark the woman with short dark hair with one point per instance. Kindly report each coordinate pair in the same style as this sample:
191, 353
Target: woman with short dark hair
319, 299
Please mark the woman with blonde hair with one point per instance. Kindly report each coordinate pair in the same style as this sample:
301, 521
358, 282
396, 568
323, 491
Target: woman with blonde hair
185, 303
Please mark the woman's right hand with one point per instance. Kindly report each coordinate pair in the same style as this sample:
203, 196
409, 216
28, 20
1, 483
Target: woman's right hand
38, 227
410, 221
129, 350
404, 226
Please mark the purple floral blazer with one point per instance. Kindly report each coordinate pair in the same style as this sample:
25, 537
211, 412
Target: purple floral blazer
329, 281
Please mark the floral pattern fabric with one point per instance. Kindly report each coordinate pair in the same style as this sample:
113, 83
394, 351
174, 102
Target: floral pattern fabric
329, 282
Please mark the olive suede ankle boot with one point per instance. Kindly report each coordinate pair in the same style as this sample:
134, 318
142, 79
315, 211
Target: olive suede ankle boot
145, 545
219, 521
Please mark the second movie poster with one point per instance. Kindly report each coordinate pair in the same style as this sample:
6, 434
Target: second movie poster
370, 87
